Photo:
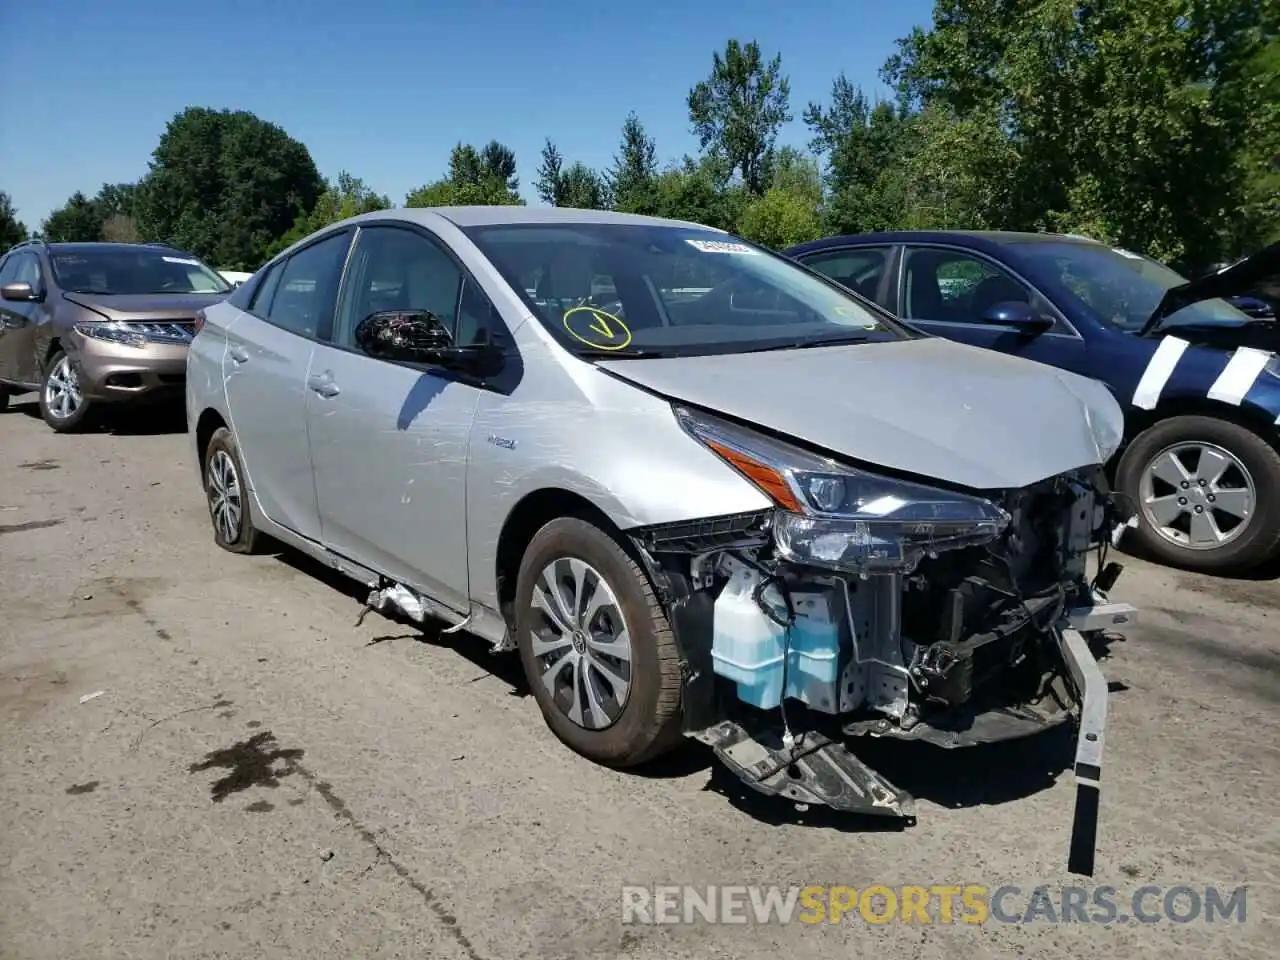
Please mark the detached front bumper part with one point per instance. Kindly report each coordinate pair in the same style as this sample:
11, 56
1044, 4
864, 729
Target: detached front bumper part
814, 770
817, 770
1091, 686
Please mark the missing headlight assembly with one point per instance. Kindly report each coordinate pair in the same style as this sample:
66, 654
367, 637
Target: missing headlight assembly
863, 605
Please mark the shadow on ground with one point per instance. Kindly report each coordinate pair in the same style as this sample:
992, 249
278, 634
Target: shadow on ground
1267, 571
123, 420
974, 776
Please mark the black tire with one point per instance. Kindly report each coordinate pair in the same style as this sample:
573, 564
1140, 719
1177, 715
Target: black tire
78, 419
246, 537
649, 723
1258, 542
4, 399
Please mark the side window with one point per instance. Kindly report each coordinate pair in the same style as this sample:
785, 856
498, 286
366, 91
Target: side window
956, 287
261, 302
859, 268
304, 297
398, 269
26, 270
8, 267
478, 318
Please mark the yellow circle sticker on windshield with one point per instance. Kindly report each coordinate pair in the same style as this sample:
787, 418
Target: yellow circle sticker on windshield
596, 328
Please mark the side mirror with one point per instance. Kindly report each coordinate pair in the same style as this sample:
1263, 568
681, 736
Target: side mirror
19, 292
1019, 315
419, 336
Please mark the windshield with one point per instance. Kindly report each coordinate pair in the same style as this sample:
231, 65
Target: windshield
1122, 287
134, 271
642, 290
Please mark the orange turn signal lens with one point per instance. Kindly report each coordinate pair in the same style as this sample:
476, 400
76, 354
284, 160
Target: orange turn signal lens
766, 478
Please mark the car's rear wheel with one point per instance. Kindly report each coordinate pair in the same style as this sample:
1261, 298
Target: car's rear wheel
1207, 493
596, 646
62, 402
227, 495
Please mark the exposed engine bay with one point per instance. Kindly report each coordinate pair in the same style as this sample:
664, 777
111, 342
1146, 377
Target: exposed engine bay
801, 635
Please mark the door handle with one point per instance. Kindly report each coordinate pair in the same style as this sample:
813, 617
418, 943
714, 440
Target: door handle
322, 383
238, 354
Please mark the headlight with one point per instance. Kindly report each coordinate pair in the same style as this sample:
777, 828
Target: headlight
836, 516
112, 333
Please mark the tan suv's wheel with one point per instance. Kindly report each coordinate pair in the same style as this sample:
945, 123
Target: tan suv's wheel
62, 403
596, 646
227, 495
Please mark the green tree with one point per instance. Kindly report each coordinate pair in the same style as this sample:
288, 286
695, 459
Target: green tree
575, 186
861, 143
631, 180
583, 188
348, 196
77, 220
117, 198
225, 185
12, 230
115, 201
485, 177
1259, 161
550, 169
739, 109
1129, 117
695, 190
790, 210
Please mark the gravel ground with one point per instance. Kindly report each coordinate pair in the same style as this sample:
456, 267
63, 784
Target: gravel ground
258, 777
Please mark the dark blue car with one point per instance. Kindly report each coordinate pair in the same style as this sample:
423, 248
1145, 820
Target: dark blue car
1199, 379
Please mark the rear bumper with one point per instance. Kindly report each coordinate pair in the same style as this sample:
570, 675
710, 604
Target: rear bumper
119, 372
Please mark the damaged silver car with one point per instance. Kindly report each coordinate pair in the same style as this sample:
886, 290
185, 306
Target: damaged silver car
704, 491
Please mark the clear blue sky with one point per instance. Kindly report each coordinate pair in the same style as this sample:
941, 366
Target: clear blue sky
384, 88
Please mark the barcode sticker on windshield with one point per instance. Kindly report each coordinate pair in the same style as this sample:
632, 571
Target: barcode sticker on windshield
187, 260
721, 246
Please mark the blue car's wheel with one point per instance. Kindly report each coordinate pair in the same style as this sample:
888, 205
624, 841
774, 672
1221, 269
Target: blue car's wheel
1207, 493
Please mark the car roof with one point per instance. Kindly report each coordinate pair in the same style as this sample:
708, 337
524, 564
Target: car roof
981, 239
104, 246
479, 216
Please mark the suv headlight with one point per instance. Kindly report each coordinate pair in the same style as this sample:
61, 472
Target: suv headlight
112, 333
843, 518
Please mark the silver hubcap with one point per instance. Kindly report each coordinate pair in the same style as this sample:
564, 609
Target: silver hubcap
1197, 495
224, 496
62, 392
581, 644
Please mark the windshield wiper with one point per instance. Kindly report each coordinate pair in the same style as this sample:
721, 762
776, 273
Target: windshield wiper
808, 344
834, 341
590, 353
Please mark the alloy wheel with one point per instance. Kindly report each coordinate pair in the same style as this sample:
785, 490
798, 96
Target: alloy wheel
581, 644
225, 505
62, 394
1198, 496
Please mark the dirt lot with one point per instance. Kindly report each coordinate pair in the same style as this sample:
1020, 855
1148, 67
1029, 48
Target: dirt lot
260, 778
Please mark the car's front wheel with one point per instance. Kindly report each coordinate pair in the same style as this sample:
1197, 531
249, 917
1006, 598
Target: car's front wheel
1206, 492
596, 646
62, 402
227, 495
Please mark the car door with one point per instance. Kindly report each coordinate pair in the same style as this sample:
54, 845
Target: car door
866, 270
946, 291
267, 361
19, 320
390, 440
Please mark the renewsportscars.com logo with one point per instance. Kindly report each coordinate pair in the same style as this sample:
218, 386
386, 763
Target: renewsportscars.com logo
933, 904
